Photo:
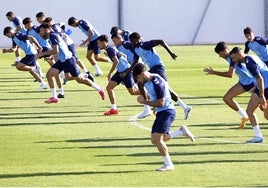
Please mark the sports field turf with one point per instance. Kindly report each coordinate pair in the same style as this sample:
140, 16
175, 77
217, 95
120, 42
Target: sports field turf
73, 144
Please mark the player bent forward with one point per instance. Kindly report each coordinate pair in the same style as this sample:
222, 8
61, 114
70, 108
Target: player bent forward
160, 98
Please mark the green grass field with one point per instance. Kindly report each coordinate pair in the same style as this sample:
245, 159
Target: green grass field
73, 144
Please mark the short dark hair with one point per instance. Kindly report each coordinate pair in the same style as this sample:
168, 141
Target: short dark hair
7, 30
48, 19
26, 20
10, 13
44, 26
103, 38
114, 29
220, 47
114, 35
134, 35
40, 14
235, 50
247, 30
138, 69
71, 20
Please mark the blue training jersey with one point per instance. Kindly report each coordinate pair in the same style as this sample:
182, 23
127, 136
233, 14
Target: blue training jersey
64, 53
148, 55
258, 46
157, 88
126, 49
244, 76
34, 31
18, 22
22, 41
122, 61
84, 26
257, 67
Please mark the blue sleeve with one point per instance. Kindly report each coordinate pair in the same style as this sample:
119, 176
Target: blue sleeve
14, 43
159, 86
148, 45
246, 47
84, 25
252, 67
261, 41
21, 36
111, 52
16, 22
54, 39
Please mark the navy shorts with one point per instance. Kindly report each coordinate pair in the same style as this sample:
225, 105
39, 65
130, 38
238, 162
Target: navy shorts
247, 87
72, 49
163, 121
256, 90
93, 45
29, 60
128, 80
159, 69
68, 66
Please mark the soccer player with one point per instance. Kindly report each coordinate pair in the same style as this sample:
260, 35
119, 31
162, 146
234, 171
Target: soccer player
259, 71
28, 63
17, 22
256, 44
126, 48
124, 33
146, 51
57, 27
160, 98
245, 81
92, 48
65, 63
120, 64
34, 31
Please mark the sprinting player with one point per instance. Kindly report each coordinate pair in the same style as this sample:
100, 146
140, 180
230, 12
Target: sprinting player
146, 51
65, 63
245, 81
256, 44
28, 63
160, 98
70, 43
34, 31
17, 22
91, 42
259, 71
120, 64
125, 48
124, 33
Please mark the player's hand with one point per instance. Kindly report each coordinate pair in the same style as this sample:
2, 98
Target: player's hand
263, 102
174, 56
4, 50
208, 70
83, 44
140, 99
39, 55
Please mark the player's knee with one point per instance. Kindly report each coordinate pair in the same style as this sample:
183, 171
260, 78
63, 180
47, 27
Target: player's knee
226, 99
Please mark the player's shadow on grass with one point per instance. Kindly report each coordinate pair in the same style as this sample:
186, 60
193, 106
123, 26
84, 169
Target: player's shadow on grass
47, 174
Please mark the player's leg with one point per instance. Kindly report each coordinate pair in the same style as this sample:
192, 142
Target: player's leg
251, 108
110, 90
52, 72
94, 49
228, 98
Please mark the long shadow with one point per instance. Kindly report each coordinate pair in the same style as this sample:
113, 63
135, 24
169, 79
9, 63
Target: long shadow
45, 174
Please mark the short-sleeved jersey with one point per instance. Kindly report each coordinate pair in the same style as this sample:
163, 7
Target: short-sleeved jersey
244, 76
84, 26
18, 22
22, 41
147, 53
126, 49
157, 88
257, 67
125, 35
57, 28
64, 52
122, 61
258, 46
34, 31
